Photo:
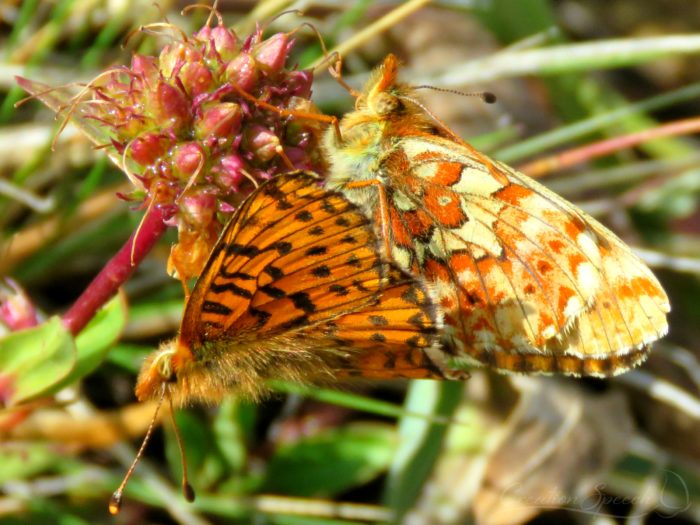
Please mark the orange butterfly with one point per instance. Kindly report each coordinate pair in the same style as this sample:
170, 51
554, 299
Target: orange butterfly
294, 289
527, 281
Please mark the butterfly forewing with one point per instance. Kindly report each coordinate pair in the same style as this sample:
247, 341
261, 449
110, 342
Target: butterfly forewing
295, 289
399, 332
294, 255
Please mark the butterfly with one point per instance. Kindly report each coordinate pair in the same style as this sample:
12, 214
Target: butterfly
527, 281
294, 289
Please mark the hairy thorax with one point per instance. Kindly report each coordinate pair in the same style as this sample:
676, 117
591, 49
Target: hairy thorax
221, 367
357, 154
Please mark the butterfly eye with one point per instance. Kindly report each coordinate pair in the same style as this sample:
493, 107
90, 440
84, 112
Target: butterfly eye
386, 104
165, 369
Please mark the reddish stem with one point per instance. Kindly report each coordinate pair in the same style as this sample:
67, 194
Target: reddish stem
105, 285
559, 161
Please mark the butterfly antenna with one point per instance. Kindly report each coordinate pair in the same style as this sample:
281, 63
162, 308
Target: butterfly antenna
115, 502
486, 96
435, 118
187, 489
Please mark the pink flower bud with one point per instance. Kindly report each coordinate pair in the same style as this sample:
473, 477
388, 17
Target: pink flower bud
300, 82
220, 120
225, 42
298, 157
171, 106
228, 174
148, 148
262, 142
242, 72
198, 206
196, 78
271, 54
187, 159
16, 310
203, 35
169, 57
146, 67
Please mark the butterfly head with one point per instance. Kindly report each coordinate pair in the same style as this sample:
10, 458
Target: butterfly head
383, 95
156, 371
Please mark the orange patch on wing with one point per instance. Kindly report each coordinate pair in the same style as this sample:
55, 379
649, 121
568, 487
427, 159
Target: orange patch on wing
513, 194
419, 224
447, 173
573, 226
400, 234
445, 205
556, 245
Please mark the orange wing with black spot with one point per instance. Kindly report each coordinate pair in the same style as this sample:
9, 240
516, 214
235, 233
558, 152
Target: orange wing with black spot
301, 262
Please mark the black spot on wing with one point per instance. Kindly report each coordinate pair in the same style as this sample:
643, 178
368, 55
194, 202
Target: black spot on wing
342, 221
419, 320
243, 276
299, 321
282, 247
378, 320
338, 289
283, 204
321, 271
232, 288
360, 285
328, 207
262, 315
240, 249
273, 271
417, 341
212, 307
304, 216
377, 338
303, 302
272, 291
348, 239
354, 261
410, 295
316, 250
316, 231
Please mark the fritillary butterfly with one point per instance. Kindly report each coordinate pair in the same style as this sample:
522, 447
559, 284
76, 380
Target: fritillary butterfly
294, 289
527, 281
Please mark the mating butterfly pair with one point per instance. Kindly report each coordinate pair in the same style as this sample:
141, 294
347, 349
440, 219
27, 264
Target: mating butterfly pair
487, 266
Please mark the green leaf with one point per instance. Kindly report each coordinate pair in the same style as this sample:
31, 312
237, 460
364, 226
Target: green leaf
232, 427
420, 440
34, 361
97, 338
44, 359
331, 461
26, 460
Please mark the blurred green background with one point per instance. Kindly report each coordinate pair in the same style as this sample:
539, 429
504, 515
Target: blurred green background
494, 450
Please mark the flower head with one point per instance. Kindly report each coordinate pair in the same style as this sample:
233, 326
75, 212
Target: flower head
191, 134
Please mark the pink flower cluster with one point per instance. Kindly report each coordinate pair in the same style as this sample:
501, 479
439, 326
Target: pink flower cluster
196, 129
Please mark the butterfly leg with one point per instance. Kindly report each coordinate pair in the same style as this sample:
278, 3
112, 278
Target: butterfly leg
176, 266
308, 115
383, 209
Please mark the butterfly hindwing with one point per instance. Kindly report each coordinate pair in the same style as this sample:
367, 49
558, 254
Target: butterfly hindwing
526, 280
530, 273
